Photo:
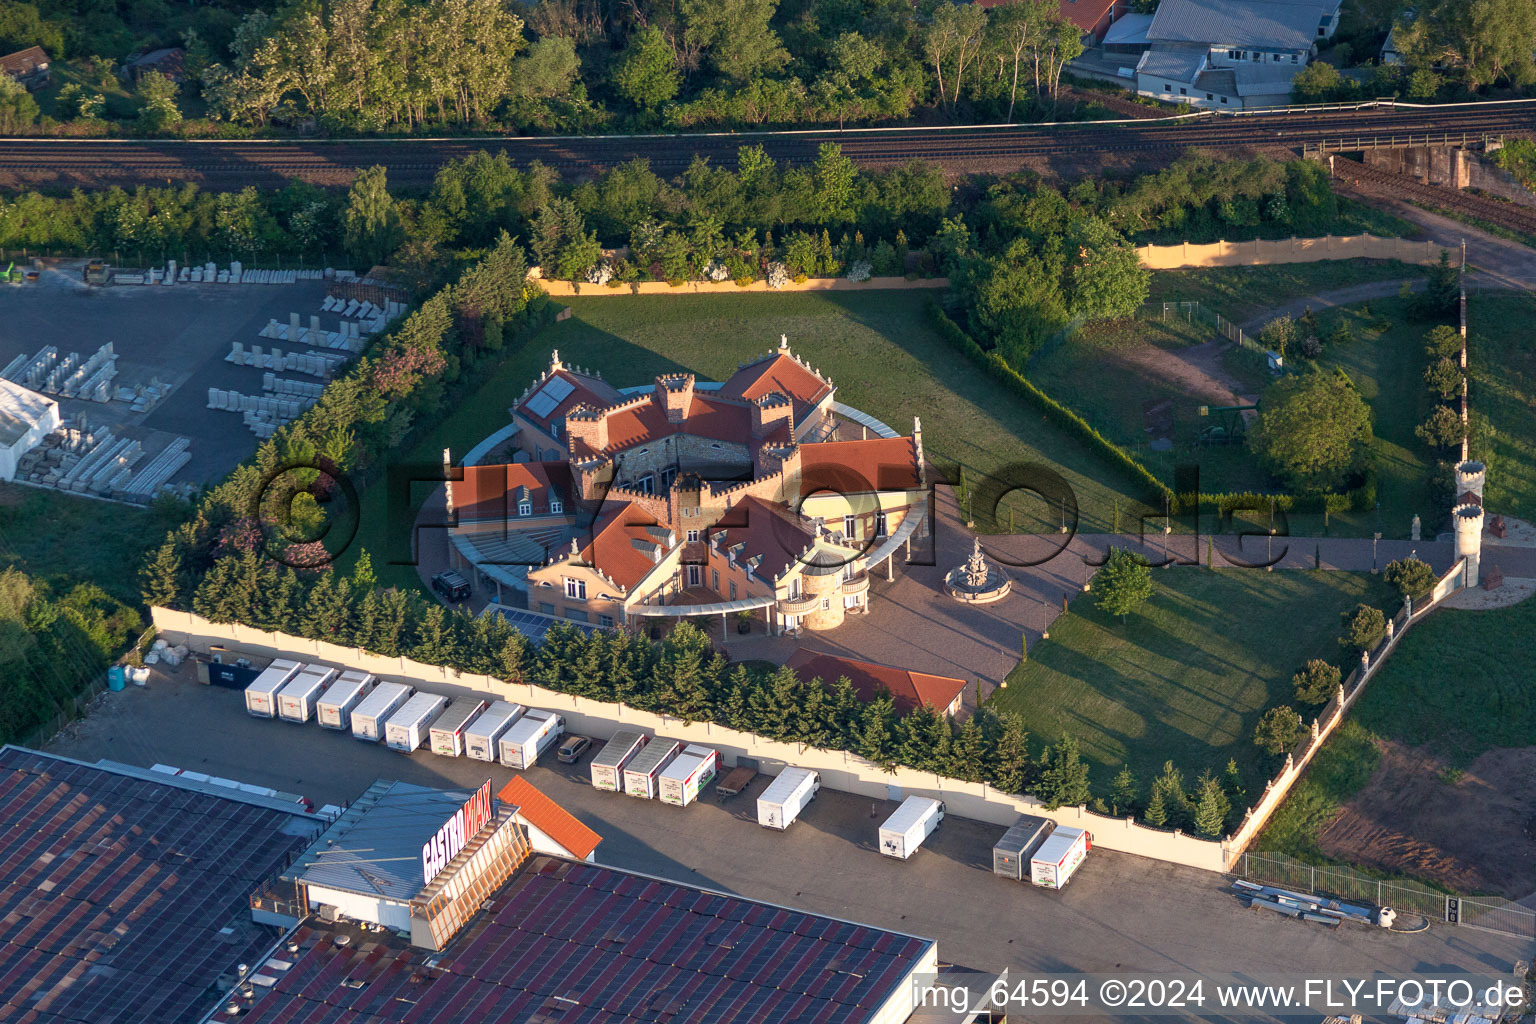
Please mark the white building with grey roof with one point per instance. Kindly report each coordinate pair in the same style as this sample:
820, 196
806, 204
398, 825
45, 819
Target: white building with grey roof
1231, 54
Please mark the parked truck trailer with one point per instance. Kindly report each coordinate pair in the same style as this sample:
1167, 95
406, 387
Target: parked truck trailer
641, 773
483, 733
334, 709
407, 728
609, 763
681, 782
913, 822
786, 796
447, 730
532, 734
261, 695
1059, 857
296, 702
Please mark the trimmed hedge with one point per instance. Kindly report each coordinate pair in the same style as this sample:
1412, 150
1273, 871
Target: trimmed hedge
1000, 370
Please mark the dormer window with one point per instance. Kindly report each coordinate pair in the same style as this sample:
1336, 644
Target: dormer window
575, 589
525, 508
556, 507
850, 526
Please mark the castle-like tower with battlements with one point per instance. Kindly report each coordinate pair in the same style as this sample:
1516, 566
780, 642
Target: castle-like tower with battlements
758, 496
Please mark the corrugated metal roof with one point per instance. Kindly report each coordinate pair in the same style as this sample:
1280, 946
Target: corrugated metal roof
1179, 63
123, 898
1260, 24
1130, 30
375, 847
602, 946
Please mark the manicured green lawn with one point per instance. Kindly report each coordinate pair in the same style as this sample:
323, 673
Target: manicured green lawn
1240, 293
877, 347
1459, 683
67, 539
1502, 354
1187, 677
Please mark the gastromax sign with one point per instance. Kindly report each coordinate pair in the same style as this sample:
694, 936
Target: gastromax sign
459, 829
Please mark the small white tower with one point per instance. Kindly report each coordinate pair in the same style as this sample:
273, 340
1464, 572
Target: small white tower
1468, 521
1470, 477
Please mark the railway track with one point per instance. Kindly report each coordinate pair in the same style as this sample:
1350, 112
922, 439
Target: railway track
1374, 181
62, 163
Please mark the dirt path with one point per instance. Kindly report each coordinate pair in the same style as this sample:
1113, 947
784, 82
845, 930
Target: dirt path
1470, 832
1196, 369
1329, 299
1499, 262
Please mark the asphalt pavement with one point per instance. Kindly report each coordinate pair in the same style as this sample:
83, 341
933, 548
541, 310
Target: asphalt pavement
1118, 913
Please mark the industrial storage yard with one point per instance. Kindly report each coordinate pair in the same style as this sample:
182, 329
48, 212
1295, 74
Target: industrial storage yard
172, 383
1118, 912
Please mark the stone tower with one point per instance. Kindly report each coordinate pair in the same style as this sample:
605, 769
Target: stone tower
1470, 477
1468, 521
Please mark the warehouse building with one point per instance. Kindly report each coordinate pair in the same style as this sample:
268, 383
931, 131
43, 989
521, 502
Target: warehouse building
565, 941
124, 892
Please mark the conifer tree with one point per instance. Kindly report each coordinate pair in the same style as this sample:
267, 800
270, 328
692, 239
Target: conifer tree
1211, 807
877, 736
1011, 769
1157, 811
1063, 775
967, 752
1123, 791
161, 578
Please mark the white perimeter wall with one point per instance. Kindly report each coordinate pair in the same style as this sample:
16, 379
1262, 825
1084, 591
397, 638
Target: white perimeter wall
839, 770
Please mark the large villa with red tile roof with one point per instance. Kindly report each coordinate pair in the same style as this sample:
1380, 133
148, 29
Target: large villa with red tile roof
760, 496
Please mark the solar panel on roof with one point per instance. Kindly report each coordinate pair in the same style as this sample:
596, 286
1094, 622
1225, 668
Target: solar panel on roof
550, 395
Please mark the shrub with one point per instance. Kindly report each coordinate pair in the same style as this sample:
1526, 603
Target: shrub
1411, 577
1317, 682
1363, 628
1310, 347
1279, 730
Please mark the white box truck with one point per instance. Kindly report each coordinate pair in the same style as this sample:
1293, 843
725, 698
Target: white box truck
530, 736
407, 728
369, 716
296, 701
786, 796
609, 763
481, 736
1059, 857
334, 709
447, 731
685, 778
261, 695
914, 821
643, 769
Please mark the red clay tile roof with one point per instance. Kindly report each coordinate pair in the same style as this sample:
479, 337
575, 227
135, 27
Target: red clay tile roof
1085, 14
779, 373
550, 818
908, 689
765, 529
23, 62
612, 549
707, 417
493, 492
856, 467
585, 390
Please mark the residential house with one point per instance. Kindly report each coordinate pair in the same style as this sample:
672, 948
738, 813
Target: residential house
170, 61
701, 499
1231, 54
29, 66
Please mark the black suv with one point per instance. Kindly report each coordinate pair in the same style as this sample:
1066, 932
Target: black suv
451, 585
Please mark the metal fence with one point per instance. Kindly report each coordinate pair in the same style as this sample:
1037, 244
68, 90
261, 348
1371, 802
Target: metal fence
1490, 912
1194, 312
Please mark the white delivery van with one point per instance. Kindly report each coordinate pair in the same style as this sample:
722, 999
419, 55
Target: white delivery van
481, 736
609, 763
334, 709
407, 728
786, 796
644, 768
914, 821
530, 736
296, 701
369, 716
261, 695
447, 731
684, 779
1059, 857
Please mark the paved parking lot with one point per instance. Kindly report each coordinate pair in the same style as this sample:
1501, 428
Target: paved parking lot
178, 334
1119, 913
